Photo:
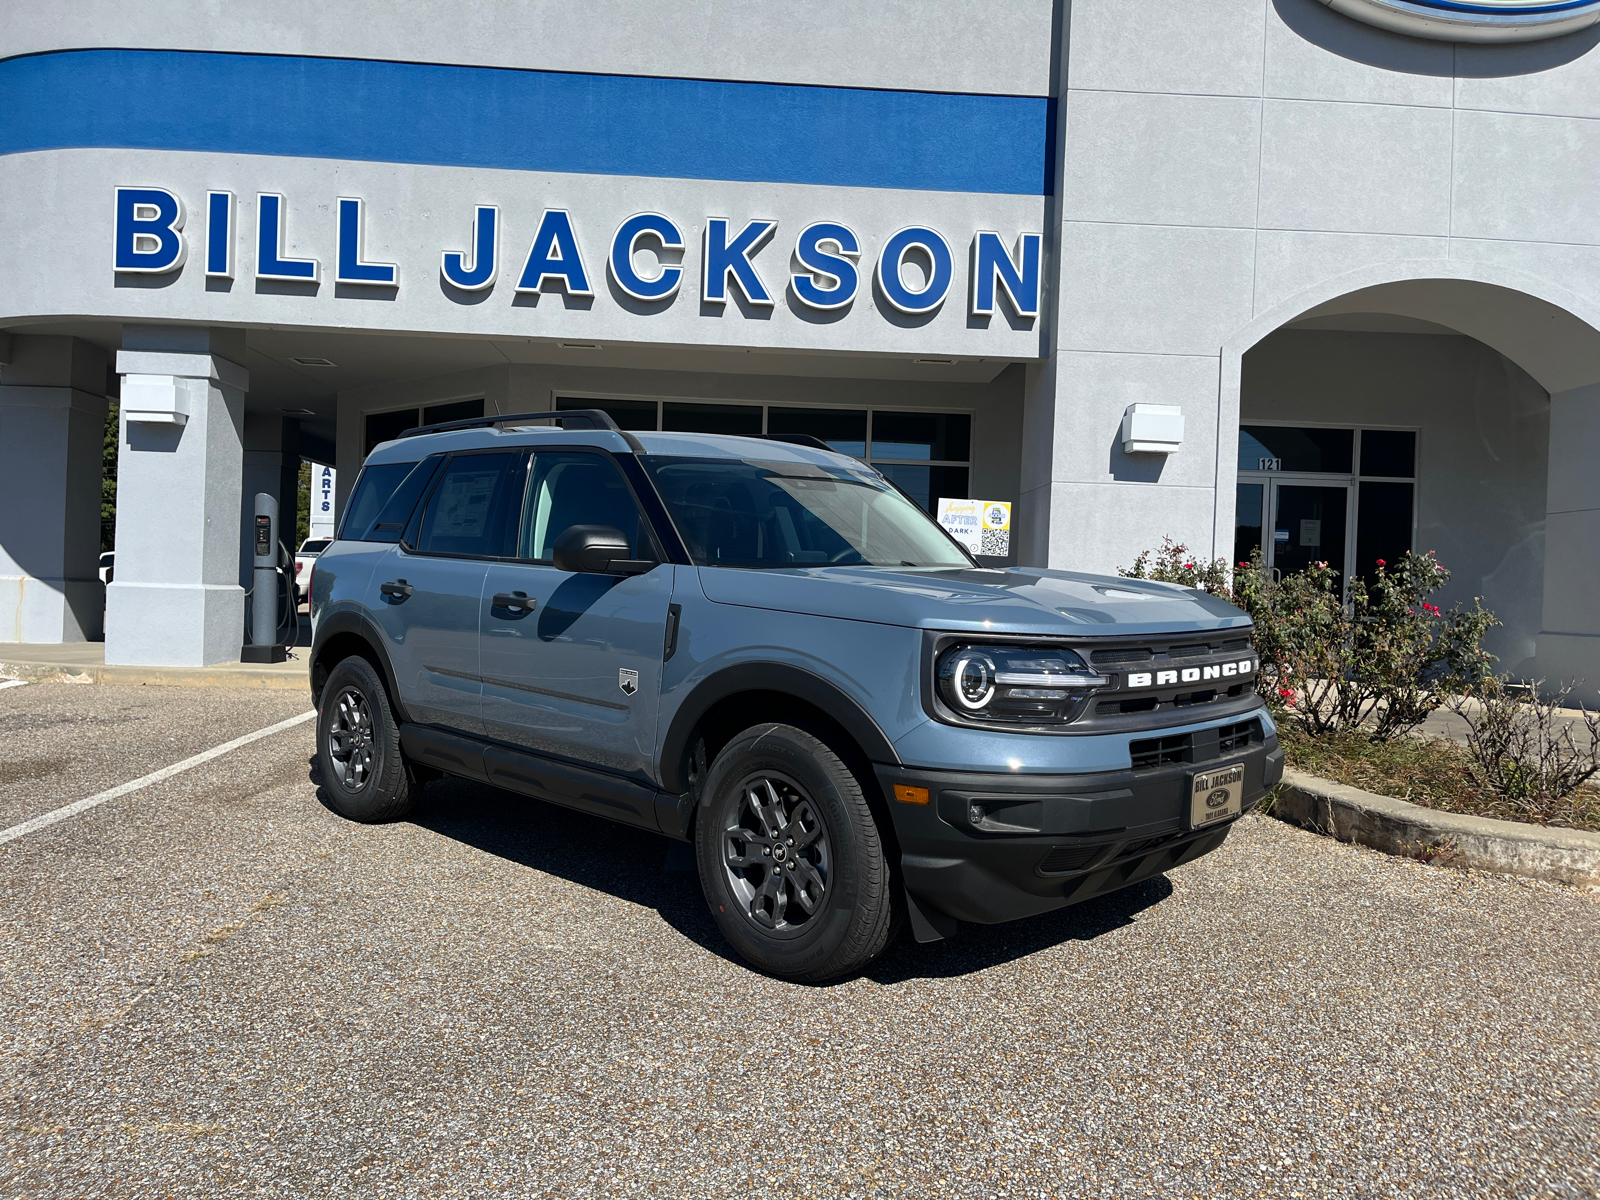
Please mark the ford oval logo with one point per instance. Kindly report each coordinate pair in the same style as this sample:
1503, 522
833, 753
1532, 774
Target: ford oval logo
1475, 20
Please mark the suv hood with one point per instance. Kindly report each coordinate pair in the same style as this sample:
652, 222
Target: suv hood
1021, 600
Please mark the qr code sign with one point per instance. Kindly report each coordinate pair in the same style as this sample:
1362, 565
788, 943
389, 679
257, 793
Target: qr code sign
995, 543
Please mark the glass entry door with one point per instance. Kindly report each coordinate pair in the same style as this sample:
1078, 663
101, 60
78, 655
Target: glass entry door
1294, 523
1308, 526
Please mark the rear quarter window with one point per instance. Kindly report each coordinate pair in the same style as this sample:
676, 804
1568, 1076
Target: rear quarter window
383, 490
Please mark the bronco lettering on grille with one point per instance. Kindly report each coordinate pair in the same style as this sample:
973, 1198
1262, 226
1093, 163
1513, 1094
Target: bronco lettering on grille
1228, 670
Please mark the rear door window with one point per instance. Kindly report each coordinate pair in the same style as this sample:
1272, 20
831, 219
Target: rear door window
471, 512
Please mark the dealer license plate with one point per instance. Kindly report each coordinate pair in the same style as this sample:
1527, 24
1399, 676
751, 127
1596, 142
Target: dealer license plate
1217, 795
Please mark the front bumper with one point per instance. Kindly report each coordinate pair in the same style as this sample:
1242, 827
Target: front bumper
1047, 841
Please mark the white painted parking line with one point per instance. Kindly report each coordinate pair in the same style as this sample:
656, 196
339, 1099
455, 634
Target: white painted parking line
133, 785
14, 683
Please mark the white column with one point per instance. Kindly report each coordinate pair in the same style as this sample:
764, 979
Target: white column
1569, 642
176, 599
52, 431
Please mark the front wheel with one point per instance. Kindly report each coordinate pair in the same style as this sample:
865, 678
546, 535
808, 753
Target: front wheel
364, 774
791, 860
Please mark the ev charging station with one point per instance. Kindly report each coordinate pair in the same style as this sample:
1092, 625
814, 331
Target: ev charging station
265, 616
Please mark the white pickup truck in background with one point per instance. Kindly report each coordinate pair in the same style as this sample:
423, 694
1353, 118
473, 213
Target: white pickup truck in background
304, 558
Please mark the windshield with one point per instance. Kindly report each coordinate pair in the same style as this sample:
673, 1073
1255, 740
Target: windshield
313, 545
772, 514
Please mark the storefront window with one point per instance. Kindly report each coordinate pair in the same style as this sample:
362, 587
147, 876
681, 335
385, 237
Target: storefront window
386, 426
1352, 523
743, 420
943, 437
1247, 521
1389, 453
1383, 524
927, 485
844, 429
1282, 448
639, 416
926, 454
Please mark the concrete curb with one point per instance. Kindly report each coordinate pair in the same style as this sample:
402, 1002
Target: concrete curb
1398, 827
228, 675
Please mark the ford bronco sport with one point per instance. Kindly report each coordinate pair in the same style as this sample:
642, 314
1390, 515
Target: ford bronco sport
761, 647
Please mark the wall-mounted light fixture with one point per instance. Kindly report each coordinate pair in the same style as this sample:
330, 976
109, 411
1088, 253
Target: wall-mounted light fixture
1152, 429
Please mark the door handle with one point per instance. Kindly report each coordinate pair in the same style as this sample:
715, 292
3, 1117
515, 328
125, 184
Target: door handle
397, 590
515, 601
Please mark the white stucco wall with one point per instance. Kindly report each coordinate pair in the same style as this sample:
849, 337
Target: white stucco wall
1223, 160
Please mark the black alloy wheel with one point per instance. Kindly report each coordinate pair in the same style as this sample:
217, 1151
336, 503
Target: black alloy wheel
364, 772
791, 859
350, 739
776, 853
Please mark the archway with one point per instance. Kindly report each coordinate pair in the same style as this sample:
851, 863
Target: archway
1452, 407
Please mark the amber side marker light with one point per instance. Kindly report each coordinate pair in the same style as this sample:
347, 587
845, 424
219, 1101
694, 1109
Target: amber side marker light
910, 795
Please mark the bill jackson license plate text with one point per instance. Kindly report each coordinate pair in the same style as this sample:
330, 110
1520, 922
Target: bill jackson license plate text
1217, 796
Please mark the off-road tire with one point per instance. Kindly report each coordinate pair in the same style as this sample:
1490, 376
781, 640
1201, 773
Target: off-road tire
854, 918
387, 788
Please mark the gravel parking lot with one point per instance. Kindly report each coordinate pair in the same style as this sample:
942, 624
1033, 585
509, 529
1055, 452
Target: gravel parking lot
213, 986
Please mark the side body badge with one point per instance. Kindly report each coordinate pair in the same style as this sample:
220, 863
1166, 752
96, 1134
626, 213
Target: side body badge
628, 681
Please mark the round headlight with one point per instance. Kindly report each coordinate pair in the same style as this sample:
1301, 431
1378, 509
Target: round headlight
972, 679
1016, 685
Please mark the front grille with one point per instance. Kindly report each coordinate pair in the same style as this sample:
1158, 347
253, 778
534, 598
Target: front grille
1181, 700
1231, 738
1116, 658
1122, 656
1157, 655
1160, 752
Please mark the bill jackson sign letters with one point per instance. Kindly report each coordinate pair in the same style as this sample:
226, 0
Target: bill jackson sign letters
150, 239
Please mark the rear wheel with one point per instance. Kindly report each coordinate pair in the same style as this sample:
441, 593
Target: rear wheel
364, 773
791, 860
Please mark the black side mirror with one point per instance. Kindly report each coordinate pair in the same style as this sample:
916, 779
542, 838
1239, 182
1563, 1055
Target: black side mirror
598, 550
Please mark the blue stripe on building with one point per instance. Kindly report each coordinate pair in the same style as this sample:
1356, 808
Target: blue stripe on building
523, 120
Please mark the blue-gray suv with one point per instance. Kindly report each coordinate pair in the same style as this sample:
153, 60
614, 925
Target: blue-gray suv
762, 647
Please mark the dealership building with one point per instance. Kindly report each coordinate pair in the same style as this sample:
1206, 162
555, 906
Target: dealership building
1318, 278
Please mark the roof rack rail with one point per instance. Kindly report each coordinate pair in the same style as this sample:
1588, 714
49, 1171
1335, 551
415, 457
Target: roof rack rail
580, 418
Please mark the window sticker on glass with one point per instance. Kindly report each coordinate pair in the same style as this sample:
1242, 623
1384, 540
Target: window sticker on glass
464, 503
1311, 533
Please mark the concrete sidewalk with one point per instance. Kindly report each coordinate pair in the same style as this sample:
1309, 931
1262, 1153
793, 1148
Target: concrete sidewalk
85, 662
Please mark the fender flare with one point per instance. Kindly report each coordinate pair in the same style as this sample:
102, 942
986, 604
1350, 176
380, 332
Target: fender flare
363, 627
767, 677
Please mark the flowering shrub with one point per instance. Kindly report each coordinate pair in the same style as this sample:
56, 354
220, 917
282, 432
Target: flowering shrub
1173, 563
1379, 659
